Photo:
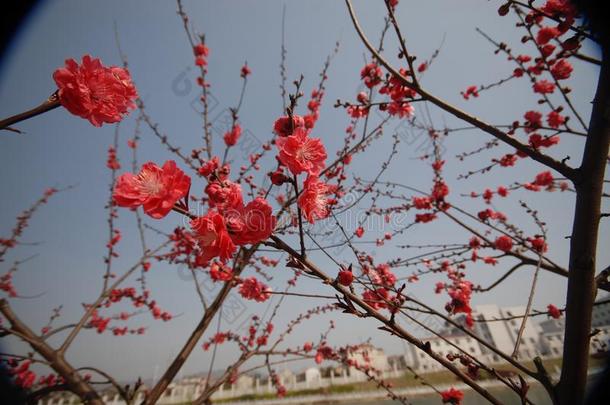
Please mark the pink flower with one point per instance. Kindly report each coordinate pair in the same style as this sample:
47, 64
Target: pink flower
490, 260
503, 243
508, 160
357, 111
544, 179
562, 69
474, 242
210, 166
376, 298
384, 276
554, 312
559, 8
201, 50
424, 218
460, 293
313, 201
422, 203
283, 126
554, 119
536, 141
98, 93
539, 244
543, 87
371, 74
440, 191
251, 224
533, 121
545, 34
362, 98
252, 289
359, 232
220, 272
212, 237
300, 153
470, 91
452, 396
278, 177
224, 195
245, 71
156, 188
345, 277
546, 51
488, 195
233, 135
401, 109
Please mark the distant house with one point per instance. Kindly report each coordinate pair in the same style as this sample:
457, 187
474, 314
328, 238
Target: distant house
313, 376
368, 355
244, 382
503, 334
499, 328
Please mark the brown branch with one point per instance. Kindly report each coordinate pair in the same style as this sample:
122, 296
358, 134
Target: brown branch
199, 330
546, 160
583, 244
498, 281
551, 17
388, 323
528, 308
207, 136
81, 323
474, 336
49, 104
403, 45
73, 380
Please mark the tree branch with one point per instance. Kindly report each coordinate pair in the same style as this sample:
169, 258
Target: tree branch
546, 160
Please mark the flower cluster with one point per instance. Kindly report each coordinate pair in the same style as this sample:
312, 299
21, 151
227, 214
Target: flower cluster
436, 200
300, 153
399, 95
252, 289
20, 371
201, 52
228, 222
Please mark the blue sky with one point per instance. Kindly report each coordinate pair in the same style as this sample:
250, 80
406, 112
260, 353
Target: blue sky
59, 149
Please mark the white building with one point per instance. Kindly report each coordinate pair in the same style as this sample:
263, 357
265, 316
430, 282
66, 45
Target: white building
312, 376
552, 337
371, 356
244, 382
601, 312
443, 346
500, 328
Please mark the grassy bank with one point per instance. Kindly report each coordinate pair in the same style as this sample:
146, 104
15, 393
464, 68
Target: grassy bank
405, 381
